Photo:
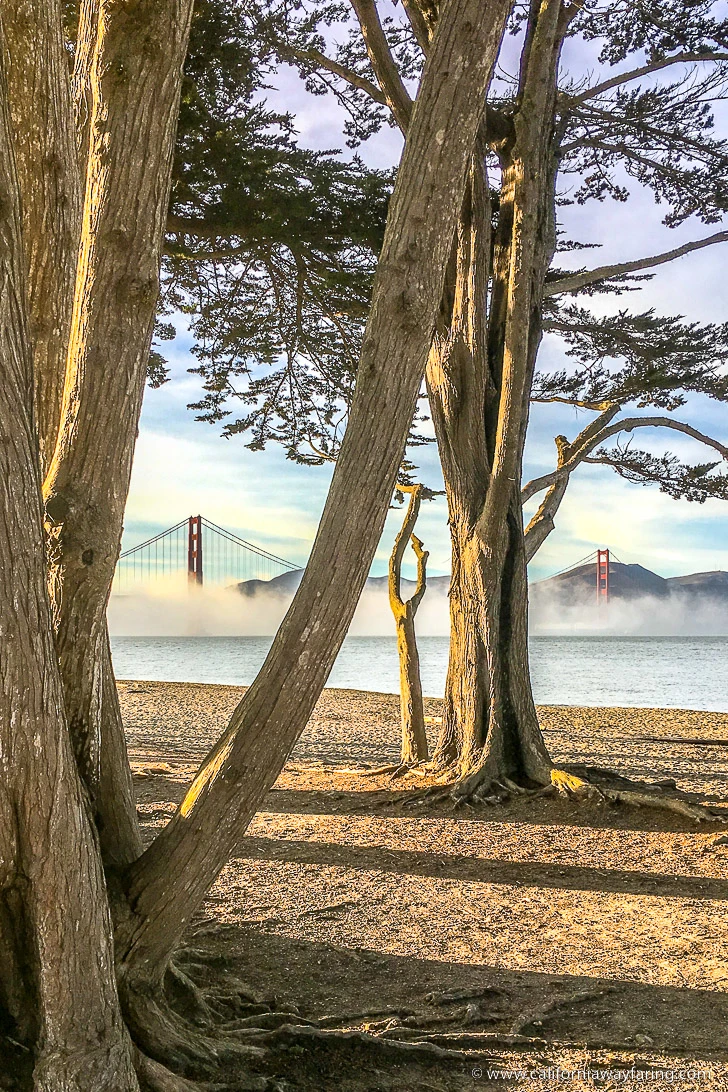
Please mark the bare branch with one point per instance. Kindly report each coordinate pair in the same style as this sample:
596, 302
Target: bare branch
384, 65
644, 70
575, 281
315, 56
571, 455
422, 26
422, 555
401, 542
629, 424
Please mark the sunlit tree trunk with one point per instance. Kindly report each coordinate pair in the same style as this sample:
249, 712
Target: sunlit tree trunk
135, 79
169, 881
56, 953
50, 187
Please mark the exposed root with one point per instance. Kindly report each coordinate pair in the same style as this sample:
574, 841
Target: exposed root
540, 1017
385, 1046
264, 1021
154, 1077
569, 784
698, 812
164, 1036
395, 770
477, 788
346, 1019
452, 1043
375, 771
652, 796
449, 997
468, 1015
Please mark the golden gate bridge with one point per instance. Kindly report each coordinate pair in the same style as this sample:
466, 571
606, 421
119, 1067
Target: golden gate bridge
602, 560
210, 554
201, 549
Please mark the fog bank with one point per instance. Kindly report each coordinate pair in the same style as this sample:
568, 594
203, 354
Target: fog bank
172, 608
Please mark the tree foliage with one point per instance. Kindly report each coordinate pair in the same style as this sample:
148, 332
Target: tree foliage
277, 327
270, 250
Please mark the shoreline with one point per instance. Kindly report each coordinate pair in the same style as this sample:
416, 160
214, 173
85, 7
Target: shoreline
181, 721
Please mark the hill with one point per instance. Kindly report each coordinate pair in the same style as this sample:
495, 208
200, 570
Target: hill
628, 583
287, 583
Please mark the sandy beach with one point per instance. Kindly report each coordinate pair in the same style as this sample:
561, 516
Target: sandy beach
586, 931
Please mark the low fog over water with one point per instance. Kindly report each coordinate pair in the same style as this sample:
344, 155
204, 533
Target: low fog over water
173, 608
665, 649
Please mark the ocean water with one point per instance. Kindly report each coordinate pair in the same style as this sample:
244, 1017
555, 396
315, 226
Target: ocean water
662, 672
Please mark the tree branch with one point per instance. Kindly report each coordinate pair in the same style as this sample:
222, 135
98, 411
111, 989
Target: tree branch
384, 65
422, 26
576, 281
643, 70
422, 555
571, 455
630, 423
315, 56
401, 542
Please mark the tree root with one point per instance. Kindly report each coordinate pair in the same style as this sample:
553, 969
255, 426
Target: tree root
454, 1042
385, 1045
395, 770
165, 1037
650, 796
478, 788
449, 997
344, 1019
538, 1018
154, 1077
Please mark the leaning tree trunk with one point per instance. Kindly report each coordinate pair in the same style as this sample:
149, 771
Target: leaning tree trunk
412, 709
490, 729
168, 883
56, 953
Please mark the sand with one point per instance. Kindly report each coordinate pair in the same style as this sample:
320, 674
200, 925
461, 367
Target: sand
597, 932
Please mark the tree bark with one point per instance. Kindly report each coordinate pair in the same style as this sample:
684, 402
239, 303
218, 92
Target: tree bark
50, 187
116, 814
167, 884
414, 736
490, 729
55, 930
457, 384
135, 77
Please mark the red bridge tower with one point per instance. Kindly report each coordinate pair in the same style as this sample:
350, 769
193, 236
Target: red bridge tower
602, 576
194, 549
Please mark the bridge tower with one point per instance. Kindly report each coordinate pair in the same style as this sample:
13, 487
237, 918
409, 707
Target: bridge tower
194, 549
602, 576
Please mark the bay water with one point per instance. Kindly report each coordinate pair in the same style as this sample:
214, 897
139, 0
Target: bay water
658, 672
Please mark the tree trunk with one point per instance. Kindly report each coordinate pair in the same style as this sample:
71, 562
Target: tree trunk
167, 884
490, 729
135, 77
457, 384
116, 814
414, 736
50, 187
56, 950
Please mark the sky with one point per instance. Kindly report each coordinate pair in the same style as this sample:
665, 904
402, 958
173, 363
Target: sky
185, 467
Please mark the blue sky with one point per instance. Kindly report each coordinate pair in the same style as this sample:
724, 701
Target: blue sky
183, 466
